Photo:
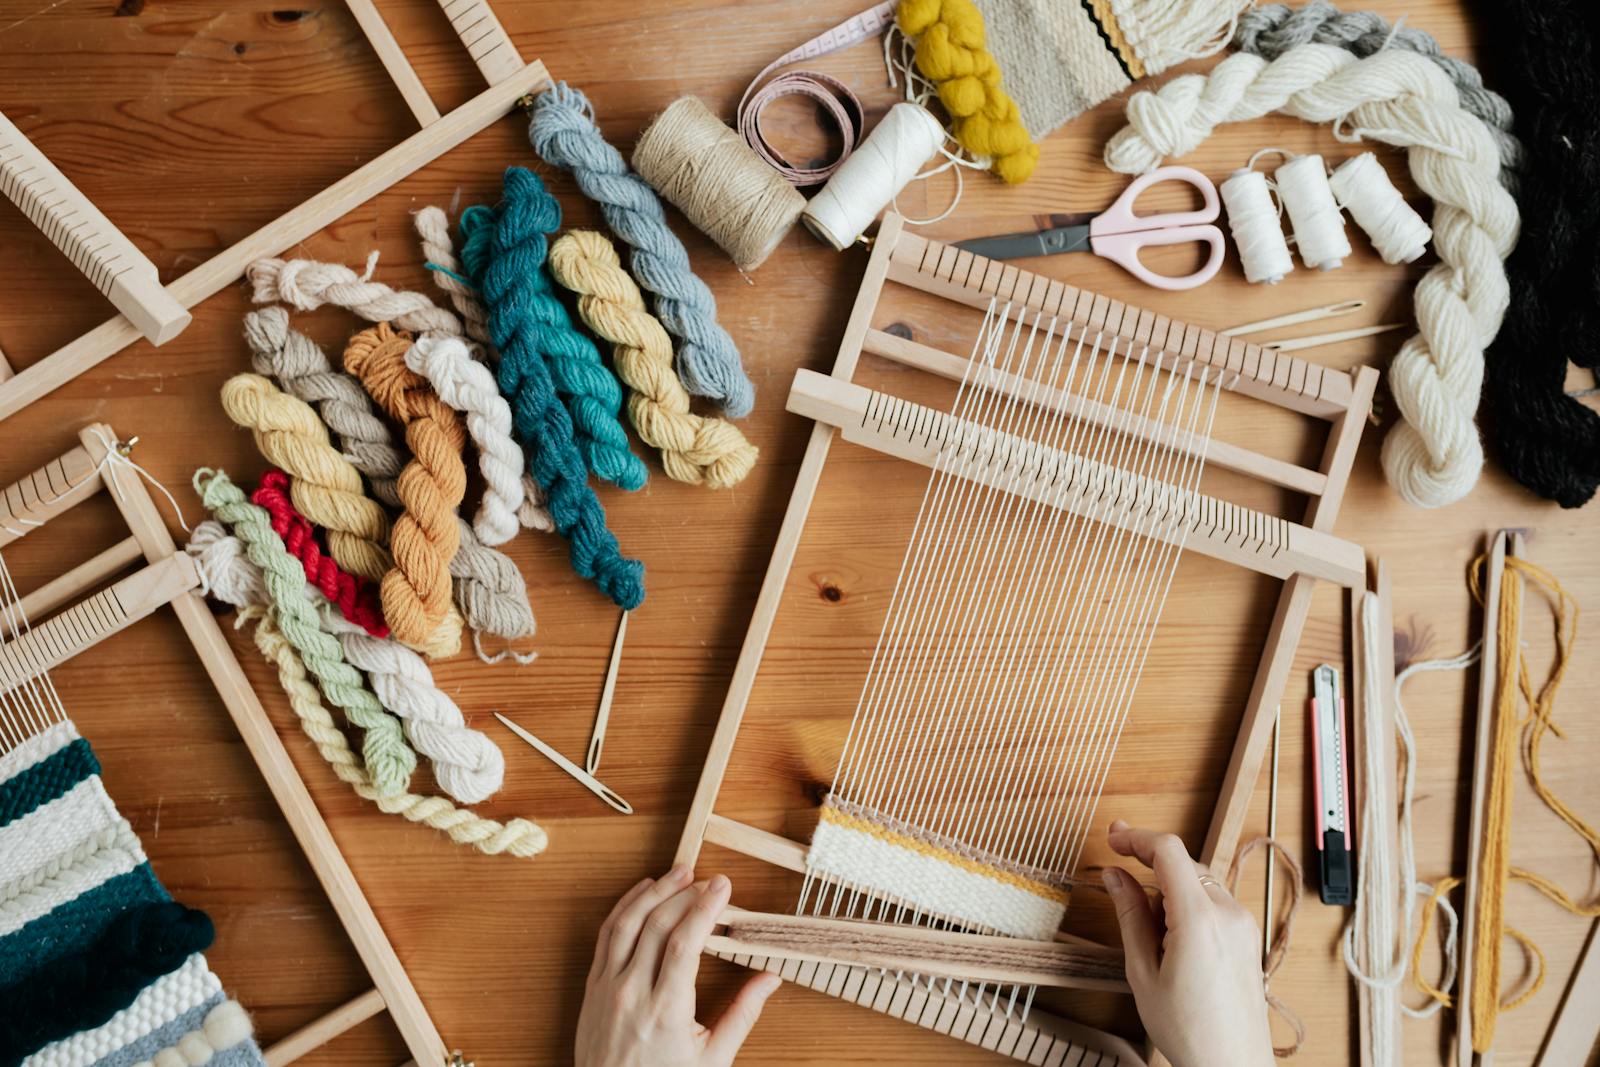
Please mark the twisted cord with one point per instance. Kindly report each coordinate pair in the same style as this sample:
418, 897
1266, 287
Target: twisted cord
518, 837
539, 419
466, 764
356, 597
590, 392
388, 758
1434, 456
564, 134
324, 486
416, 591
696, 450
433, 228
1273, 29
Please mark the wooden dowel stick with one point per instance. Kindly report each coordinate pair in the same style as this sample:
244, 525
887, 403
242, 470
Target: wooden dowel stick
394, 61
319, 1032
5, 368
84, 576
1576, 1027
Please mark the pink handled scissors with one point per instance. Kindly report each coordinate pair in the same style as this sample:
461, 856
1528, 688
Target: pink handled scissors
1118, 234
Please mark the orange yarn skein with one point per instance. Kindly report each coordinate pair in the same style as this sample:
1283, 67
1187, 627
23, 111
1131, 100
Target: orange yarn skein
416, 593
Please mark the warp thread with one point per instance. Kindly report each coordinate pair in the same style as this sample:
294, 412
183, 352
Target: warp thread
324, 486
564, 134
874, 174
590, 392
1434, 457
515, 247
949, 37
388, 758
1270, 30
706, 171
693, 449
416, 591
303, 370
466, 763
355, 597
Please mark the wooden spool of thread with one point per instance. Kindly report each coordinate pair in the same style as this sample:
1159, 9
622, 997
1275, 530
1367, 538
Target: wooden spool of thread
874, 174
706, 171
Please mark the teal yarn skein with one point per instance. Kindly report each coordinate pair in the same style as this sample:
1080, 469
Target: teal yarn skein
389, 759
504, 252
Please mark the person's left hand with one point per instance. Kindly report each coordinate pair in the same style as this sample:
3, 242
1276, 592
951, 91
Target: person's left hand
638, 1005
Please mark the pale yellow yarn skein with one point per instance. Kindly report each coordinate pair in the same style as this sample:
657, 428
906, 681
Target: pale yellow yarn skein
694, 449
325, 488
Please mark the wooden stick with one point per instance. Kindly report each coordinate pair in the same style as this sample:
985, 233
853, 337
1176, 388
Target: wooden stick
394, 61
1576, 1027
31, 502
319, 1032
487, 41
84, 576
5, 368
289, 229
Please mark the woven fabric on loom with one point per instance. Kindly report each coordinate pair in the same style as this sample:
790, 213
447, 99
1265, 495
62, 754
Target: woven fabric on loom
97, 965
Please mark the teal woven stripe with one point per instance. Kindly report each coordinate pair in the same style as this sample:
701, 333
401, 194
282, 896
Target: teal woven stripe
51, 777
77, 923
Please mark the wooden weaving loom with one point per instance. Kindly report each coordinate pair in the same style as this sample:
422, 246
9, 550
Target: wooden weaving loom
78, 610
126, 276
996, 694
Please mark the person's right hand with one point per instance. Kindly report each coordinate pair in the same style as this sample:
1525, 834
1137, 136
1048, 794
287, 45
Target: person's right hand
1193, 957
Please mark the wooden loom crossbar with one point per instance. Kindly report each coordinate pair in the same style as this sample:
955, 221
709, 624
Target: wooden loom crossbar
1300, 553
168, 576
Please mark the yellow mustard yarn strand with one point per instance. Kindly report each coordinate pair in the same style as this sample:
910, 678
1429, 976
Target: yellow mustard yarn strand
949, 36
694, 449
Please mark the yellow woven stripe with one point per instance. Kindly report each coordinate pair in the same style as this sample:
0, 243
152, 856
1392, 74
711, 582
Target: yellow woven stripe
955, 859
1113, 30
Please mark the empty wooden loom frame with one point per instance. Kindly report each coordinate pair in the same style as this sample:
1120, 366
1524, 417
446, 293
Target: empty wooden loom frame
120, 270
165, 576
1304, 553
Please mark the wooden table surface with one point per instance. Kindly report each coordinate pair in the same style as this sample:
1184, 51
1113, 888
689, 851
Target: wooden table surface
190, 124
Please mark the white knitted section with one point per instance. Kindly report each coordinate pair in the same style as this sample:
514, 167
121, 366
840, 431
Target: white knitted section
39, 746
164, 1000
45, 832
930, 883
101, 856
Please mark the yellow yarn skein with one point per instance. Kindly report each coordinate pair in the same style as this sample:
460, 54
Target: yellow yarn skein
949, 36
694, 449
325, 488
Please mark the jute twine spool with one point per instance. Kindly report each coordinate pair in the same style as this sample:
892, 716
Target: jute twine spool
707, 172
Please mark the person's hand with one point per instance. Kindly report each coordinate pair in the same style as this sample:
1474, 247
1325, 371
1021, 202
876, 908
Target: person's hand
638, 1005
1193, 957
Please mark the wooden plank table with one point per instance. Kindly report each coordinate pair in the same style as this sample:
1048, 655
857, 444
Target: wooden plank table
190, 124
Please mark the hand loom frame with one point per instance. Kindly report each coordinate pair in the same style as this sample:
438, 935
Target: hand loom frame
509, 78
1307, 552
168, 576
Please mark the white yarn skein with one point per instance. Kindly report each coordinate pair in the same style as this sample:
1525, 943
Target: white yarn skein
874, 174
1400, 98
1257, 231
468, 386
1318, 224
1364, 189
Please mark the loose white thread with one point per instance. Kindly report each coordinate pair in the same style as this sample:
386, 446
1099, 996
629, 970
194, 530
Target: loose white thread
1364, 189
1257, 231
1318, 223
874, 174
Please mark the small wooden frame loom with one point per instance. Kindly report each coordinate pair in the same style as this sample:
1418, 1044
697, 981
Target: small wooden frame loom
165, 576
129, 279
909, 824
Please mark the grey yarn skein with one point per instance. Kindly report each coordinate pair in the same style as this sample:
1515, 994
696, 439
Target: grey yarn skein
564, 134
1272, 30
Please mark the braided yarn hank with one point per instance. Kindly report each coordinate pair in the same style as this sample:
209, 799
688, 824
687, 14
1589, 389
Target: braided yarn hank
950, 51
1271, 30
564, 134
356, 597
303, 371
1434, 457
696, 450
416, 592
324, 486
438, 250
388, 758
466, 763
539, 418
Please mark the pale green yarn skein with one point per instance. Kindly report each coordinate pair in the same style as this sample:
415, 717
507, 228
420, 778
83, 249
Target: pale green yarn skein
389, 759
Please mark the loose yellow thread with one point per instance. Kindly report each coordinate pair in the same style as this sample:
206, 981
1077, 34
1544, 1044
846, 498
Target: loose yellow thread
949, 37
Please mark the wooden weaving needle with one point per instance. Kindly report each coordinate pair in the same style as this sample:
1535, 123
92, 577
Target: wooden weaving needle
602, 716
584, 778
1272, 832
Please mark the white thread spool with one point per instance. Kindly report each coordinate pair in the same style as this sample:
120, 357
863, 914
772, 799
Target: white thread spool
1318, 225
1257, 231
874, 174
1364, 189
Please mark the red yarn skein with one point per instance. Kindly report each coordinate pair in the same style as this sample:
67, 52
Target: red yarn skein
356, 597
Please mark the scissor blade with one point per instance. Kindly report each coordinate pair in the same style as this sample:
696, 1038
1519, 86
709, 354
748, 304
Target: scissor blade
1031, 243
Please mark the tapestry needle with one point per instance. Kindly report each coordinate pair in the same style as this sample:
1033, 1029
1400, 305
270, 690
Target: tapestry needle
1294, 318
1272, 832
602, 716
584, 778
